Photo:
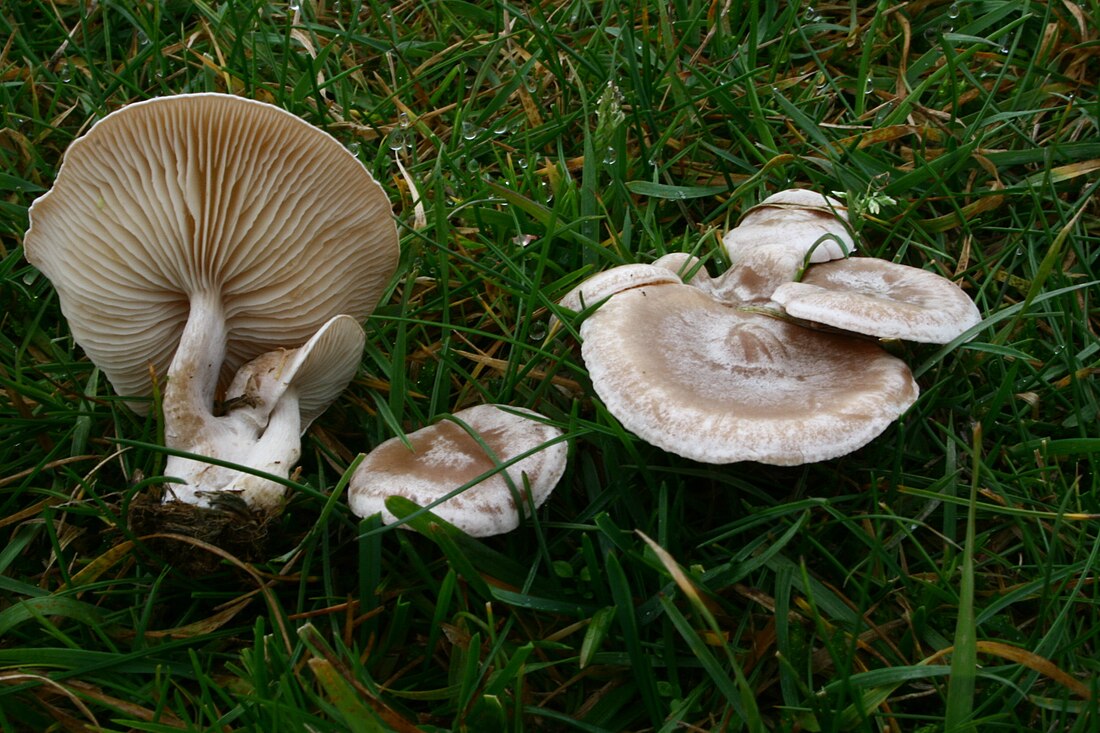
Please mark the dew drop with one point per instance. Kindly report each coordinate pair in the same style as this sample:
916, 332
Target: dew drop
869, 86
470, 131
473, 165
1003, 50
397, 140
295, 5
29, 278
953, 11
403, 120
523, 240
537, 331
610, 156
501, 128
930, 34
522, 163
353, 148
547, 192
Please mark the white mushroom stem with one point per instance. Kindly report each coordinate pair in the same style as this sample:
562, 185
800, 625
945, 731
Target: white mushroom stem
193, 373
269, 404
243, 438
277, 450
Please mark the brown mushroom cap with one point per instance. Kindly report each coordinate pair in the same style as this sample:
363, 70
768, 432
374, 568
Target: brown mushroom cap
880, 298
793, 219
445, 457
208, 194
778, 237
706, 381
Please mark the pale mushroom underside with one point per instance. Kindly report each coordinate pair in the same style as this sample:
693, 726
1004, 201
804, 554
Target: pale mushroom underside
215, 196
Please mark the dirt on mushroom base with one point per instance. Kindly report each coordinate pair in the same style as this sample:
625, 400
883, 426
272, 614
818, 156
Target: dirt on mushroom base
228, 525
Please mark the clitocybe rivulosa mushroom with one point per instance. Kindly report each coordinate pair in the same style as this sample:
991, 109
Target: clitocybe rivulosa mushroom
189, 235
715, 369
524, 455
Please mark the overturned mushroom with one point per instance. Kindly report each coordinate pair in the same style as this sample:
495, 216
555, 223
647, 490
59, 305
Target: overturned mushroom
188, 235
500, 452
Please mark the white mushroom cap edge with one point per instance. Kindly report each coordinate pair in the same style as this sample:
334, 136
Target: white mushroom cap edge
880, 298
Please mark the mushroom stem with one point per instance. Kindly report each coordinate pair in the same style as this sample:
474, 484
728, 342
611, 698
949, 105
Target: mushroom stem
193, 373
189, 421
275, 452
270, 402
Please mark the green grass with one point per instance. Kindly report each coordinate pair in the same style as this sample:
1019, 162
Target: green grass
650, 593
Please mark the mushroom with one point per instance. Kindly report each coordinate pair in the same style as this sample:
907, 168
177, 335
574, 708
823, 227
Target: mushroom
880, 298
188, 235
271, 402
491, 455
778, 237
714, 383
730, 369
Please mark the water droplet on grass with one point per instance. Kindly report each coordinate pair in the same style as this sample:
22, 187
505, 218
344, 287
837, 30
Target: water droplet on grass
953, 10
610, 157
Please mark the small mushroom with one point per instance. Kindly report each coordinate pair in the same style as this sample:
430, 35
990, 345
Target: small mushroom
880, 298
188, 235
479, 447
708, 381
778, 237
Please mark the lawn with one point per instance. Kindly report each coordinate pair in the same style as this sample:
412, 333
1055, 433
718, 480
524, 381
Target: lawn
943, 577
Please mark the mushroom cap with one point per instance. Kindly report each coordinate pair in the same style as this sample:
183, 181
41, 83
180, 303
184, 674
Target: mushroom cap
445, 456
706, 381
880, 298
682, 263
319, 370
793, 220
208, 193
604, 284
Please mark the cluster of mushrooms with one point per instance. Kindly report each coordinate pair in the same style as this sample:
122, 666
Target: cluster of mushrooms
228, 251
770, 362
222, 253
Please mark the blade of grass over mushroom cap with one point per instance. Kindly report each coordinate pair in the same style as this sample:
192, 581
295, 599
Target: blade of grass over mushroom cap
491, 448
707, 381
880, 298
229, 228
